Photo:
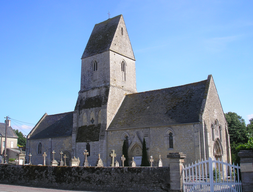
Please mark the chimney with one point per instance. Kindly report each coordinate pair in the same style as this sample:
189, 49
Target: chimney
8, 122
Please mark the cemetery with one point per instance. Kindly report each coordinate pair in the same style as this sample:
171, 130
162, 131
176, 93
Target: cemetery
85, 177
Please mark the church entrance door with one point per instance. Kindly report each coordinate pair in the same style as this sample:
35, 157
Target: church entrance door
137, 160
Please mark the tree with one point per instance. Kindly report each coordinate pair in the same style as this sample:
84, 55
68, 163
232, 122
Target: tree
125, 151
236, 128
238, 134
144, 160
21, 138
250, 127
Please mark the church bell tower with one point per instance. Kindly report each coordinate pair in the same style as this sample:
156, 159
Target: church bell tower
107, 75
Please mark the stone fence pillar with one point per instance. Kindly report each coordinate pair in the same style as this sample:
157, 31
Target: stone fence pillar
176, 161
246, 159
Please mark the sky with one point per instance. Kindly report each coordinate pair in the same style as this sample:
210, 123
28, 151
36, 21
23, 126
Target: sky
174, 42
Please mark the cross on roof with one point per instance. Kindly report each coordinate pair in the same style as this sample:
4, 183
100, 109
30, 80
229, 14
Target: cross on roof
109, 14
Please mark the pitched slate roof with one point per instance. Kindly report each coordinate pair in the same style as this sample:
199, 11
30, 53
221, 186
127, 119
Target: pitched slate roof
58, 125
162, 107
10, 132
101, 37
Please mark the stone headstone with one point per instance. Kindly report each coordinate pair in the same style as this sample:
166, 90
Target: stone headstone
61, 162
151, 161
122, 160
86, 163
100, 162
44, 156
160, 163
65, 157
133, 162
54, 162
113, 155
30, 158
116, 164
75, 162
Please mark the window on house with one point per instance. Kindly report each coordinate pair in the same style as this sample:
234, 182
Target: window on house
40, 148
121, 30
170, 140
95, 66
12, 144
123, 70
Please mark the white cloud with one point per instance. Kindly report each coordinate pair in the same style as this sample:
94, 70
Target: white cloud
250, 116
26, 127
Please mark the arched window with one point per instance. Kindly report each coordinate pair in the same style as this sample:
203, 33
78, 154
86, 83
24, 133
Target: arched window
123, 70
95, 66
40, 148
170, 140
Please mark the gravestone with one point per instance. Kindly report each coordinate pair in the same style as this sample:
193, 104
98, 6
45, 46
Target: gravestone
61, 162
133, 162
122, 160
21, 158
86, 163
151, 161
75, 162
30, 158
44, 156
100, 162
116, 164
160, 163
65, 157
54, 162
113, 155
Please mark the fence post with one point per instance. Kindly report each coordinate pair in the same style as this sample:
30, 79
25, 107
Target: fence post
210, 164
246, 159
176, 161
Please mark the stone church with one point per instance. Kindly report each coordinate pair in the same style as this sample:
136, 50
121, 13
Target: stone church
109, 111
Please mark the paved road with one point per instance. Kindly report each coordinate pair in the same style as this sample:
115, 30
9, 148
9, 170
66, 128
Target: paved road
17, 188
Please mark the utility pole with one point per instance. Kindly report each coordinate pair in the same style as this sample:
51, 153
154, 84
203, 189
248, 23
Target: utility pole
5, 143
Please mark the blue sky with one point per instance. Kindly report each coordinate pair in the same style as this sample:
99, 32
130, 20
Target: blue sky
175, 43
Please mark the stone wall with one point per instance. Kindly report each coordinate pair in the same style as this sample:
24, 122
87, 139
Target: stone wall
91, 178
214, 125
246, 159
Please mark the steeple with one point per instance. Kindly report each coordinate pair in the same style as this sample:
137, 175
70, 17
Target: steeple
109, 35
108, 59
107, 75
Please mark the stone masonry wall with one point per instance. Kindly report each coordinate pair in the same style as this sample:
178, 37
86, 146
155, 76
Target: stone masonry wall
213, 112
91, 178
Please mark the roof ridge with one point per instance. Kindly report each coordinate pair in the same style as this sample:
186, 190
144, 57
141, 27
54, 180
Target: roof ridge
109, 19
169, 87
61, 113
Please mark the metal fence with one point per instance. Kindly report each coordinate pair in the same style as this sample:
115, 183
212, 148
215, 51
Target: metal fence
211, 175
